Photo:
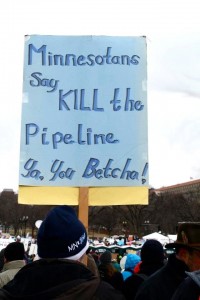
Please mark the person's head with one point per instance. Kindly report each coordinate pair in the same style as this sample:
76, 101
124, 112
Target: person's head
18, 238
187, 245
62, 235
106, 257
14, 251
131, 261
191, 257
152, 252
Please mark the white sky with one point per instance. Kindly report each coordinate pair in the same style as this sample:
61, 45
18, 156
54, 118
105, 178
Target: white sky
172, 29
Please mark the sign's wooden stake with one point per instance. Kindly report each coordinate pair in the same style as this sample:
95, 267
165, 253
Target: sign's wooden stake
83, 209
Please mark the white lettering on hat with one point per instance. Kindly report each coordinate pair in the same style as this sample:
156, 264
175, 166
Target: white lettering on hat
77, 243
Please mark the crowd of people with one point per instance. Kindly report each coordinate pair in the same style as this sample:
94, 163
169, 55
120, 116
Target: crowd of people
65, 266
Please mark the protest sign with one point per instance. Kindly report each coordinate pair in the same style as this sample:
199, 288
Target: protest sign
84, 113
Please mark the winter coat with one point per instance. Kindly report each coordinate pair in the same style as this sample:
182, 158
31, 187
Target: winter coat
189, 288
162, 284
57, 279
132, 283
9, 270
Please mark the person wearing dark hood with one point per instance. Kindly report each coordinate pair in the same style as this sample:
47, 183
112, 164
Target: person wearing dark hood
152, 259
162, 284
59, 273
132, 260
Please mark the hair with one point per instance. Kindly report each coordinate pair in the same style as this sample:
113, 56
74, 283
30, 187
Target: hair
110, 270
106, 257
107, 270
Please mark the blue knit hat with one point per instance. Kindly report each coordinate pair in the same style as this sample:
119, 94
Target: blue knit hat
132, 260
62, 235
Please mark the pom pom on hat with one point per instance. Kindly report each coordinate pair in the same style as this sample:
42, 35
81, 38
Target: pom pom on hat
62, 235
123, 262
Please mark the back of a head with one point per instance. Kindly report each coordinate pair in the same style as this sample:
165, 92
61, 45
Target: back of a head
18, 238
132, 260
62, 235
106, 257
14, 251
152, 251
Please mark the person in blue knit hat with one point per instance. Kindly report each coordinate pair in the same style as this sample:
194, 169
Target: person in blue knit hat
131, 261
59, 272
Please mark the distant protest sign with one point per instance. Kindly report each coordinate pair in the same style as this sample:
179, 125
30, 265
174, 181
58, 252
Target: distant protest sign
84, 112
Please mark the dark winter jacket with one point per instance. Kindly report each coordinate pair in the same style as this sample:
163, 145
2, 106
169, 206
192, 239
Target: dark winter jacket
132, 283
162, 284
189, 289
57, 279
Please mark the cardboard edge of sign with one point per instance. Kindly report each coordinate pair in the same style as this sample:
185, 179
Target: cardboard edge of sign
97, 196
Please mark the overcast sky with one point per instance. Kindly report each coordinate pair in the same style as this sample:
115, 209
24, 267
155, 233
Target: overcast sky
172, 29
